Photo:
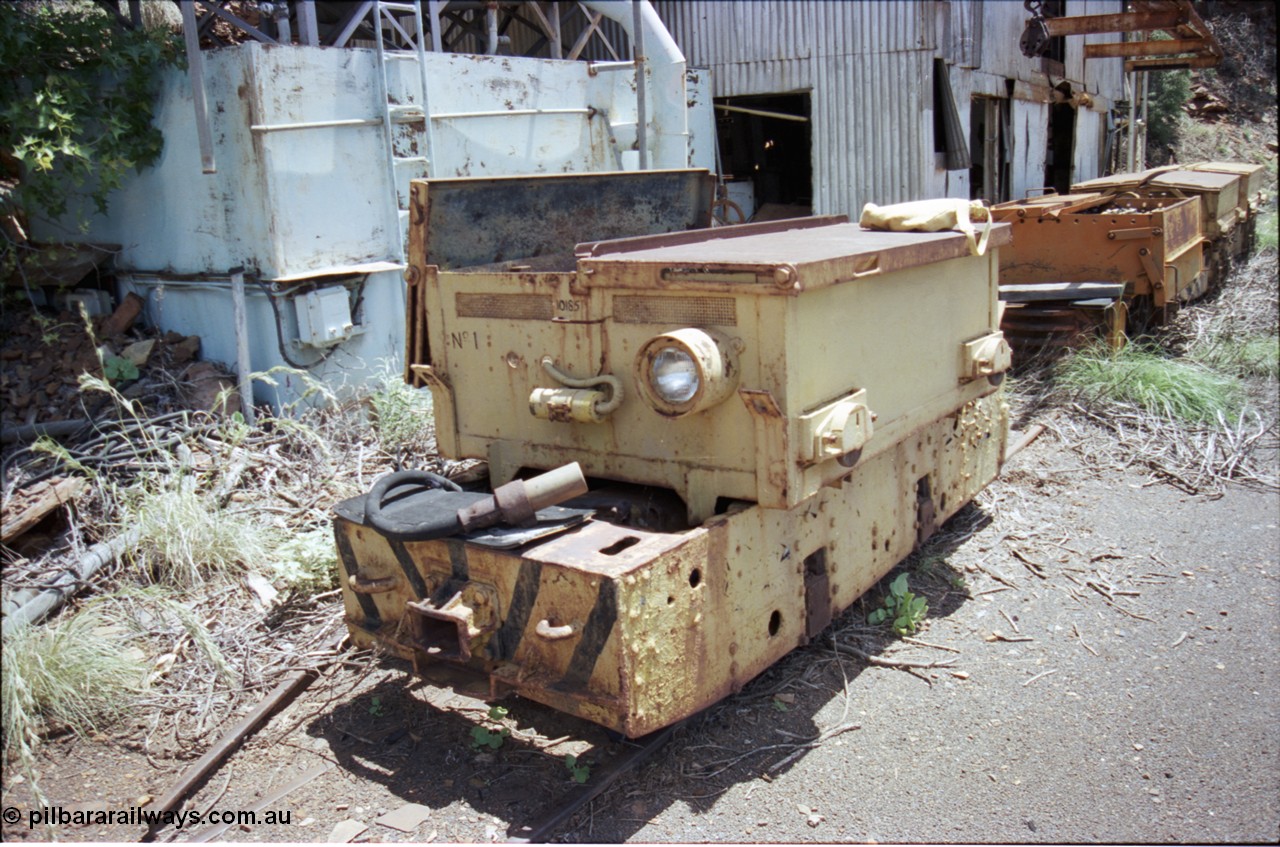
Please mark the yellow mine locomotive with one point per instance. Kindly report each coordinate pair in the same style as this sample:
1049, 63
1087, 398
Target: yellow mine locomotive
702, 443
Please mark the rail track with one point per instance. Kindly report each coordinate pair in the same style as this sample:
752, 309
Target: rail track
635, 753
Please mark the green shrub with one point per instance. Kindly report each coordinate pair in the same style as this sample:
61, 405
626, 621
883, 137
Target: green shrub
76, 99
402, 418
1253, 355
1269, 230
901, 609
306, 562
1167, 93
1149, 379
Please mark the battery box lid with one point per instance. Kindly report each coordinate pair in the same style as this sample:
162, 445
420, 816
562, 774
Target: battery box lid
772, 261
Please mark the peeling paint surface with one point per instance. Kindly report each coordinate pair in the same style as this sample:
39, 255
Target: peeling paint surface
636, 630
303, 187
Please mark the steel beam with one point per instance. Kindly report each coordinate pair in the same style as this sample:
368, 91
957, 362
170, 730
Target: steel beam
308, 29
195, 65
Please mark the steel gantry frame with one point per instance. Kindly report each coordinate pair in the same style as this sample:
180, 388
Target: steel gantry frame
530, 28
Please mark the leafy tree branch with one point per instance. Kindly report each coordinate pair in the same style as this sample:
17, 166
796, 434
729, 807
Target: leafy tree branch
76, 99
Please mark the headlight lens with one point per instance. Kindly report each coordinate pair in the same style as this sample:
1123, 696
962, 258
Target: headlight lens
675, 375
686, 371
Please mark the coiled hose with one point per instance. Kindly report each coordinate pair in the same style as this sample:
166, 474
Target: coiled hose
436, 524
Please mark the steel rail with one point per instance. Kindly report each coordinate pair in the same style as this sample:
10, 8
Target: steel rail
637, 752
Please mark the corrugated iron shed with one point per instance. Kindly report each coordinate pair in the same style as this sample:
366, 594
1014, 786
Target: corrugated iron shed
868, 68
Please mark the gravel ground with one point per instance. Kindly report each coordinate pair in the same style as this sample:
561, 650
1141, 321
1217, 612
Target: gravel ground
1105, 727
1149, 716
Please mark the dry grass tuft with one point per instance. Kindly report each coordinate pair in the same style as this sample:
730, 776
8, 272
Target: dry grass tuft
402, 419
1197, 405
73, 674
1146, 379
184, 541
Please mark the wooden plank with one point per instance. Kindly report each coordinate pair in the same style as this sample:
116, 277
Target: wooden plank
1172, 64
1127, 49
545, 24
594, 20
28, 508
1121, 22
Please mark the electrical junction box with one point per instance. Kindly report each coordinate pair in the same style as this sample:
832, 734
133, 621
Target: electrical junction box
324, 317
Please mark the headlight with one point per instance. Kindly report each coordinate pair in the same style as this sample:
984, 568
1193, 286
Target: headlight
686, 371
674, 375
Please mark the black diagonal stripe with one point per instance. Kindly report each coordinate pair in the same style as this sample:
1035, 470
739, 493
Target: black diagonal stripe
507, 638
458, 560
600, 623
410, 569
372, 620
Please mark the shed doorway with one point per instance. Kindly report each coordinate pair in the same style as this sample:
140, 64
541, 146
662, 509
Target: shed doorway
989, 142
766, 155
1060, 156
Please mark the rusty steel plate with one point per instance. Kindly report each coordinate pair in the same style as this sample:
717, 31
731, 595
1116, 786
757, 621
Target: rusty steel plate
1251, 175
472, 222
1122, 181
1196, 180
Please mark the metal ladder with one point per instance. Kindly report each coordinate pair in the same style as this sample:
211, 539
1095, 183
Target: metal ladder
400, 113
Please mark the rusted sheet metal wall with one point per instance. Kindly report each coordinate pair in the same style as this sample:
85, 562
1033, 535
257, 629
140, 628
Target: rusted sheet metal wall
868, 28
1030, 124
868, 66
872, 136
1091, 127
771, 46
1001, 26
750, 47
729, 32
962, 44
1102, 76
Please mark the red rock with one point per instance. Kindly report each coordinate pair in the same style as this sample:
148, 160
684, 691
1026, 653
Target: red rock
185, 350
123, 317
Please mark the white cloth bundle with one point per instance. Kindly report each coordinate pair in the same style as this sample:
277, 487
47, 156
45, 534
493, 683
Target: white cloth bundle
944, 213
